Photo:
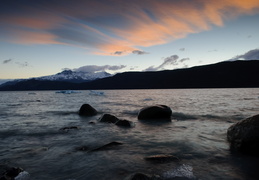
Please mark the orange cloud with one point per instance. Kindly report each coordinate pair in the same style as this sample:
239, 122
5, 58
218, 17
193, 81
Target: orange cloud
116, 27
26, 37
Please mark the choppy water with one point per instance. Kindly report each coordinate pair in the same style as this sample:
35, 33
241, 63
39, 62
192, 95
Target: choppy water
31, 138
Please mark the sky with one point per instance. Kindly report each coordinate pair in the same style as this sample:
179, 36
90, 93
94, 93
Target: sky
44, 37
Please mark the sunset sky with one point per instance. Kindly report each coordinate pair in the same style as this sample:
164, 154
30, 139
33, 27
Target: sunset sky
44, 37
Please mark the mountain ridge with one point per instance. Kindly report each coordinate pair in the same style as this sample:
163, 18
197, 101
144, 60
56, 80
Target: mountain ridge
234, 74
66, 76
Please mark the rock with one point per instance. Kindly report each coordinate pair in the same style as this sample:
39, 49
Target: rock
161, 158
15, 173
155, 112
68, 128
124, 123
87, 110
108, 118
140, 176
244, 136
108, 146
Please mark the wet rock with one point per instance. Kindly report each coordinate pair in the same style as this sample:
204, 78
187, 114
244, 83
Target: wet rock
244, 136
68, 128
158, 112
124, 123
161, 158
15, 173
108, 118
87, 110
139, 176
108, 146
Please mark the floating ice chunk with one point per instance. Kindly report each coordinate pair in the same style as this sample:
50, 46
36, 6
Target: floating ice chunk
181, 171
22, 176
96, 93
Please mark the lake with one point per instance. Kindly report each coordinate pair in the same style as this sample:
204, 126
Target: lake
31, 135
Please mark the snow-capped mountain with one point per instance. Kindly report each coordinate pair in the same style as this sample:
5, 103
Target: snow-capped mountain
75, 76
66, 75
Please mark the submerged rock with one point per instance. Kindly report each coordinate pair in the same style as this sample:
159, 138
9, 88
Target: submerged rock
139, 176
161, 158
244, 136
108, 146
108, 118
87, 110
124, 123
68, 128
158, 112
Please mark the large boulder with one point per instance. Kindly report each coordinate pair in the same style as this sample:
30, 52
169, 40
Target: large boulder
155, 112
244, 136
87, 110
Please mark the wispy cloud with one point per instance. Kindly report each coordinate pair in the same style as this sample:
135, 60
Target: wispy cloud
7, 61
22, 64
114, 27
139, 52
95, 68
250, 55
169, 61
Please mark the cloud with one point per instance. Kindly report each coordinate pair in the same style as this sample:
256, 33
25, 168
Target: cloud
139, 52
182, 49
22, 64
168, 61
118, 52
95, 68
7, 61
250, 55
114, 27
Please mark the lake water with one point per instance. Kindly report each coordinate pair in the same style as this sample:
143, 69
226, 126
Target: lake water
31, 138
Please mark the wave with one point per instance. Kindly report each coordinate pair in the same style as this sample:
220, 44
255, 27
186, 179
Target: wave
183, 171
182, 116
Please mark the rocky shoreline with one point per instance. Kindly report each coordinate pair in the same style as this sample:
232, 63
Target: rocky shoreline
243, 137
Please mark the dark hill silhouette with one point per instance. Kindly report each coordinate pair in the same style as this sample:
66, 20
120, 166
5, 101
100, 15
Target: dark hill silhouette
236, 74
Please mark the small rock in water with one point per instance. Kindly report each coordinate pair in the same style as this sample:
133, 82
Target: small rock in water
124, 123
87, 110
161, 158
139, 176
244, 136
108, 118
68, 128
158, 112
108, 146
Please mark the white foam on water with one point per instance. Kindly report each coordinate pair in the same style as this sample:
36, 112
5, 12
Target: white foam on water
22, 176
181, 171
